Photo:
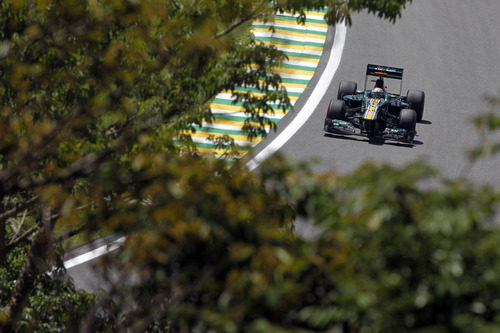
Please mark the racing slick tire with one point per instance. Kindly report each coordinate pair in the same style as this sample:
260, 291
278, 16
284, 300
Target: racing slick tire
416, 99
408, 121
336, 110
346, 88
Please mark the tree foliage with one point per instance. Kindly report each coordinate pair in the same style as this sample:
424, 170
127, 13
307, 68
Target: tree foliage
487, 125
386, 255
92, 95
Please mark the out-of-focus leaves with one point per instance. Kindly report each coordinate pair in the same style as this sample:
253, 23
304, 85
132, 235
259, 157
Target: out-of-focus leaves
341, 10
391, 253
487, 125
94, 94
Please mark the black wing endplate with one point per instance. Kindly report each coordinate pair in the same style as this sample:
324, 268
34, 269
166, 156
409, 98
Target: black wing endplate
384, 71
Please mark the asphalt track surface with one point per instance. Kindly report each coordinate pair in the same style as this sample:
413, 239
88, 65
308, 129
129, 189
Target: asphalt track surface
448, 48
451, 50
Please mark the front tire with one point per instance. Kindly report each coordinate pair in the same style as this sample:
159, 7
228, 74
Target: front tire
346, 88
416, 99
336, 110
408, 121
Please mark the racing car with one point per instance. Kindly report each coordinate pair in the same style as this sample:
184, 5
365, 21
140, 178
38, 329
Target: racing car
376, 113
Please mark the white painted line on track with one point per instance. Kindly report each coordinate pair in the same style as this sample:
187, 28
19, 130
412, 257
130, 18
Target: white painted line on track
271, 34
276, 115
271, 24
96, 253
310, 64
310, 15
224, 126
311, 103
240, 143
294, 76
272, 147
230, 97
290, 49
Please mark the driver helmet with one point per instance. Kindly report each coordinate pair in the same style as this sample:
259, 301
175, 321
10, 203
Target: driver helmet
378, 92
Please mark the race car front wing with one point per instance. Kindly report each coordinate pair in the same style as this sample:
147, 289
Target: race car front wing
336, 126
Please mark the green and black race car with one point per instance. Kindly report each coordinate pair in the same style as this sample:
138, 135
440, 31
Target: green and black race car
376, 113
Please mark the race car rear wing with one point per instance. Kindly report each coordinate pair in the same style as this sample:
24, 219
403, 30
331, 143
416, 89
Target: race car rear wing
385, 72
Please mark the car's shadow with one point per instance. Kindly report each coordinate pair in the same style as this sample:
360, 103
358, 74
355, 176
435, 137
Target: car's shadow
375, 141
346, 137
382, 142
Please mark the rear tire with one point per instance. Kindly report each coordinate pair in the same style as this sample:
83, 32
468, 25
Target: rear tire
408, 121
336, 110
346, 88
416, 99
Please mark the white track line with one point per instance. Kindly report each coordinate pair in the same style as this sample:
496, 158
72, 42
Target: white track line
96, 253
271, 34
272, 147
311, 103
277, 25
308, 14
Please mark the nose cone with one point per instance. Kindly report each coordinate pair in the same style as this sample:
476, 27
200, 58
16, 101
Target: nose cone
372, 108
